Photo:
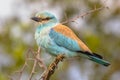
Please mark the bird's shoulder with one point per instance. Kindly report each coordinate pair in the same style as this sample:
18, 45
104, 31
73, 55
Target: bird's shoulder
66, 31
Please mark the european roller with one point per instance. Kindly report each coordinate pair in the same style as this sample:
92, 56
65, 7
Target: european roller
57, 38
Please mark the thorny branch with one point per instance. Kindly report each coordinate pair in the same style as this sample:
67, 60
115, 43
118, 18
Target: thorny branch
84, 14
24, 66
37, 61
51, 69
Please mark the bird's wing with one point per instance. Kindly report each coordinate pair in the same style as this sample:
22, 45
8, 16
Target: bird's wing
65, 37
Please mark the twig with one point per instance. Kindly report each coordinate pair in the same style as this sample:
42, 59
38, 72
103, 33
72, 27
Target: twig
21, 71
24, 66
37, 60
51, 69
84, 14
33, 69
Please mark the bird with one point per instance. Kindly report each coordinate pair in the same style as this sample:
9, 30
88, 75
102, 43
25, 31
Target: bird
56, 39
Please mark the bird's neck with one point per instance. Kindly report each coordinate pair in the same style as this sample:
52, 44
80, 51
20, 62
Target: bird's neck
46, 25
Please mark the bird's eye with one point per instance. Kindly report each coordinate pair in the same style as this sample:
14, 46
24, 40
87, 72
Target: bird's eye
47, 18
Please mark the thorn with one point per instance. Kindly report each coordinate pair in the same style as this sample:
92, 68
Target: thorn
107, 7
31, 59
76, 22
72, 21
43, 75
95, 7
82, 17
34, 72
54, 64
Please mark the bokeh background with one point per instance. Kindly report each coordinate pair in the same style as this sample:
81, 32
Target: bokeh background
99, 30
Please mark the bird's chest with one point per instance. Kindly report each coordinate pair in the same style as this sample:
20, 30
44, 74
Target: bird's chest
42, 37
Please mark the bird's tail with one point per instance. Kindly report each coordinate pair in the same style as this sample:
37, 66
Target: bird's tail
95, 57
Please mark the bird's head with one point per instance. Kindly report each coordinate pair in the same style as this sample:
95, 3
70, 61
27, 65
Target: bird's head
44, 18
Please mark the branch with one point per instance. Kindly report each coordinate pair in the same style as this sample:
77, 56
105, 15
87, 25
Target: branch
85, 13
51, 69
24, 66
37, 61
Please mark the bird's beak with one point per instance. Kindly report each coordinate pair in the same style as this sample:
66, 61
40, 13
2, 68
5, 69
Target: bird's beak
36, 19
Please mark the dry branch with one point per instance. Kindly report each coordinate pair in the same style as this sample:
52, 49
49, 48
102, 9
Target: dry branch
37, 61
84, 14
51, 69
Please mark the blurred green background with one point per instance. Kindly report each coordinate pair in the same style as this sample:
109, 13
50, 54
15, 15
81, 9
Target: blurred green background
99, 30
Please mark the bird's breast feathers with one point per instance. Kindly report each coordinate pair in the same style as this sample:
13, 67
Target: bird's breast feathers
42, 37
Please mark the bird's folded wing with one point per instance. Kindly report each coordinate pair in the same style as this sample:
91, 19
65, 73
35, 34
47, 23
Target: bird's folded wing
65, 37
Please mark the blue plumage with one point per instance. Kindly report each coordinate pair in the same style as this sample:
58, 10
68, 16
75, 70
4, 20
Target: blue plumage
64, 41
